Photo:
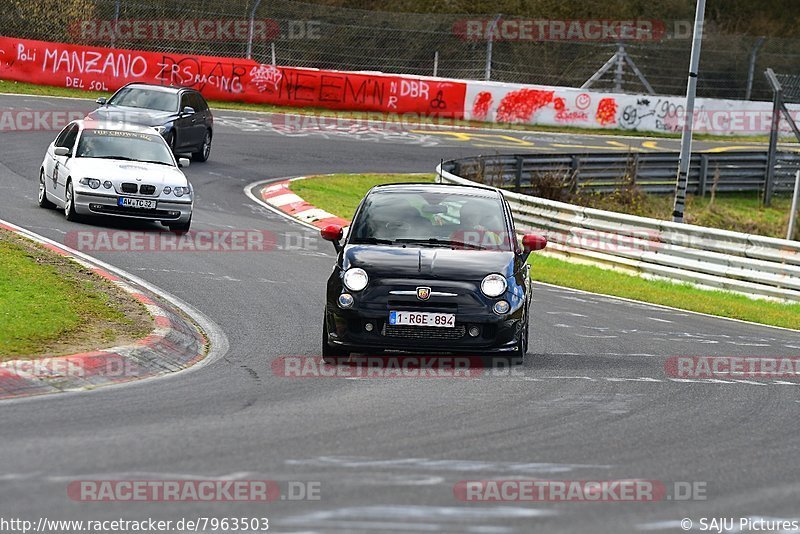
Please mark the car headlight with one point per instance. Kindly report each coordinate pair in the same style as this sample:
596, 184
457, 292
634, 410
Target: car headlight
94, 183
167, 190
493, 285
355, 279
161, 129
180, 191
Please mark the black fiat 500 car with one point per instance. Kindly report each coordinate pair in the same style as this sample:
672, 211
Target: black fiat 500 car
429, 267
181, 115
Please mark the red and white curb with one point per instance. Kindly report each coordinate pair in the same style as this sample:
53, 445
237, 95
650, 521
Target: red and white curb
278, 197
175, 344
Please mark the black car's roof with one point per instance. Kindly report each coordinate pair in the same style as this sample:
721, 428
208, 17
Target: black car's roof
427, 187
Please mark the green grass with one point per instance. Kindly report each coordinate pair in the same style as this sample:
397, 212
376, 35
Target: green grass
678, 295
46, 303
9, 86
341, 193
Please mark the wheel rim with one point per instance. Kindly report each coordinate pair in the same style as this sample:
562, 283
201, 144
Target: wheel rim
68, 200
207, 145
41, 187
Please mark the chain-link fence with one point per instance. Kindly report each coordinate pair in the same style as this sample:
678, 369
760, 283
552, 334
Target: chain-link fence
312, 35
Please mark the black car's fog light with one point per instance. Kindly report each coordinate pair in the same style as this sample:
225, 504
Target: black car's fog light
345, 300
474, 331
501, 307
369, 327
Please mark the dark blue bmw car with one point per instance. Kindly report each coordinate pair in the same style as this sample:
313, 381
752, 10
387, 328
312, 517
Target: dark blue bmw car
180, 114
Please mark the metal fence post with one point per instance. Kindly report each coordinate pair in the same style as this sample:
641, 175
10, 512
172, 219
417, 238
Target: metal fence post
620, 68
703, 178
795, 198
751, 70
435, 64
251, 29
489, 46
575, 169
773, 148
518, 183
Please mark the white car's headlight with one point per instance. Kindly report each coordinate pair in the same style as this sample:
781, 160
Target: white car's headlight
180, 191
94, 183
355, 279
493, 285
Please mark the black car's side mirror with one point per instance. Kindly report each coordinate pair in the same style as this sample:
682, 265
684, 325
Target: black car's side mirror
533, 242
333, 233
102, 101
188, 110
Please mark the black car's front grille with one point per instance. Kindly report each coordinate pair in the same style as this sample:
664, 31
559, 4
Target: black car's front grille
424, 332
128, 187
146, 189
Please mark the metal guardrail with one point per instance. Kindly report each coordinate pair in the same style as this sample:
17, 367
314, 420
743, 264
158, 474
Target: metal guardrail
751, 264
653, 172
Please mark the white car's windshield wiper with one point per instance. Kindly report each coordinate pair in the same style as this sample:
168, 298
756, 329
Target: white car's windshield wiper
154, 161
123, 158
440, 243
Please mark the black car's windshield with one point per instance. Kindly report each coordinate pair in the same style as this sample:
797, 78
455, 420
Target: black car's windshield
432, 219
130, 146
137, 97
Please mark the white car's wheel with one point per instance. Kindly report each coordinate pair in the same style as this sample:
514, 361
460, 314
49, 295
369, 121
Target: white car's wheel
69, 203
44, 202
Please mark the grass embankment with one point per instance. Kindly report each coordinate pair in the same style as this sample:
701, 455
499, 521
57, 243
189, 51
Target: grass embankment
8, 86
341, 193
738, 212
50, 305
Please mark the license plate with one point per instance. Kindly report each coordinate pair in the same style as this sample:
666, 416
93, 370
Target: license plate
140, 203
406, 318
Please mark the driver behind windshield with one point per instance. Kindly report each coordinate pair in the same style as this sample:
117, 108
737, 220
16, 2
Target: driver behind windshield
480, 226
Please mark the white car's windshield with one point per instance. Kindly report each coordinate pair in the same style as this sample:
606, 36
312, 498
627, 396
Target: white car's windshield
132, 146
134, 97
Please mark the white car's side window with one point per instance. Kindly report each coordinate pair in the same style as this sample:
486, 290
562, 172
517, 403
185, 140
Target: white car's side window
63, 135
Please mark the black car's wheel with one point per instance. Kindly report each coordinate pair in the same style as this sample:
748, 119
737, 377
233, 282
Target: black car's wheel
522, 342
69, 203
331, 355
518, 355
44, 202
171, 143
180, 227
205, 150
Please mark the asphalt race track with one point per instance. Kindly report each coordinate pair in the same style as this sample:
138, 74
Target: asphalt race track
591, 402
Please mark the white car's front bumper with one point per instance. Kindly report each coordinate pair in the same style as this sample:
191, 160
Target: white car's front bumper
94, 202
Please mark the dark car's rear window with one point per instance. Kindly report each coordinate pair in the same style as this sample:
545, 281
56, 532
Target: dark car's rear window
140, 97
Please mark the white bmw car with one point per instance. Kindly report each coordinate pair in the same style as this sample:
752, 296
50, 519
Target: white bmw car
122, 170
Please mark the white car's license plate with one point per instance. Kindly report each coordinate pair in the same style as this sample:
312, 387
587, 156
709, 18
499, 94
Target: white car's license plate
407, 318
140, 203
